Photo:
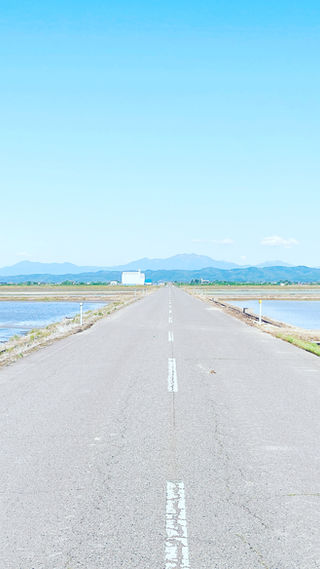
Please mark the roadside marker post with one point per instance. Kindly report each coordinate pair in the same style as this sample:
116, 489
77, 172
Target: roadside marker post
81, 315
260, 311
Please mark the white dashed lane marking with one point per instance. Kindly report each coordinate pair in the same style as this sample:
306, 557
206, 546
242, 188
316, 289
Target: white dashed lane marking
172, 375
177, 550
170, 336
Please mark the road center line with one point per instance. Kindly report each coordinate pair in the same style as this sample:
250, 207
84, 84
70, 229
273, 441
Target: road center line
170, 336
172, 375
170, 320
177, 550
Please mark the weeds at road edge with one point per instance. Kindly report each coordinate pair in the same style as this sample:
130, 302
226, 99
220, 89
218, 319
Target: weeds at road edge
303, 344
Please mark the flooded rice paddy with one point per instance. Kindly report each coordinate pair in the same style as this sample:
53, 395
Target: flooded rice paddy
19, 317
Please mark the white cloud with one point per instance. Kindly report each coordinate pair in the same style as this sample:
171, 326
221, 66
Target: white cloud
277, 241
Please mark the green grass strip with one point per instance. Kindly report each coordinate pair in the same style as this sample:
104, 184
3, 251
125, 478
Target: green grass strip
308, 346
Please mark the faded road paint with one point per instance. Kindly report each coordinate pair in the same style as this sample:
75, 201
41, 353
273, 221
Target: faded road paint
177, 550
172, 375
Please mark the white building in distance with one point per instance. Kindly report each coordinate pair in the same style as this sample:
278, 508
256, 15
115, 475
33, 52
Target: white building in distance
133, 278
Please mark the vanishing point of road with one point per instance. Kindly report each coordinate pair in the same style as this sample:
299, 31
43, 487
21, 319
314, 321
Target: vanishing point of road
167, 436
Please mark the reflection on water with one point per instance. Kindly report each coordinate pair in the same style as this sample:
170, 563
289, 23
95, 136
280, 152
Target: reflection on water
302, 313
22, 316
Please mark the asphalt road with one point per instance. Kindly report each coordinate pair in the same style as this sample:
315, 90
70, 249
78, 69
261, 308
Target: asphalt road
158, 439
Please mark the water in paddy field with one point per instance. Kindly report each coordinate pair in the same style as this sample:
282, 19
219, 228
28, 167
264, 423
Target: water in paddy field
19, 317
302, 313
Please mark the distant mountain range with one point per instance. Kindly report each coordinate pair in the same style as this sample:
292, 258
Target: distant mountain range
278, 274
180, 268
185, 262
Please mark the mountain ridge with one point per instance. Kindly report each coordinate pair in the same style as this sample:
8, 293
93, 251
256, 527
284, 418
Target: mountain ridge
182, 261
298, 274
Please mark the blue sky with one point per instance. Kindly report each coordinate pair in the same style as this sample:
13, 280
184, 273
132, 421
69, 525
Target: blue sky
133, 129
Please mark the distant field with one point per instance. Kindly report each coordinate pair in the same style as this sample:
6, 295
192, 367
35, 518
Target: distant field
248, 292
68, 292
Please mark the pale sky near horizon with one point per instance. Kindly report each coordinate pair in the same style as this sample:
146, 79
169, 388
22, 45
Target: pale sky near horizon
145, 129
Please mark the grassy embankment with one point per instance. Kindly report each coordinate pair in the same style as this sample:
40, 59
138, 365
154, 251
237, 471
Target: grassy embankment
304, 339
304, 344
20, 346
